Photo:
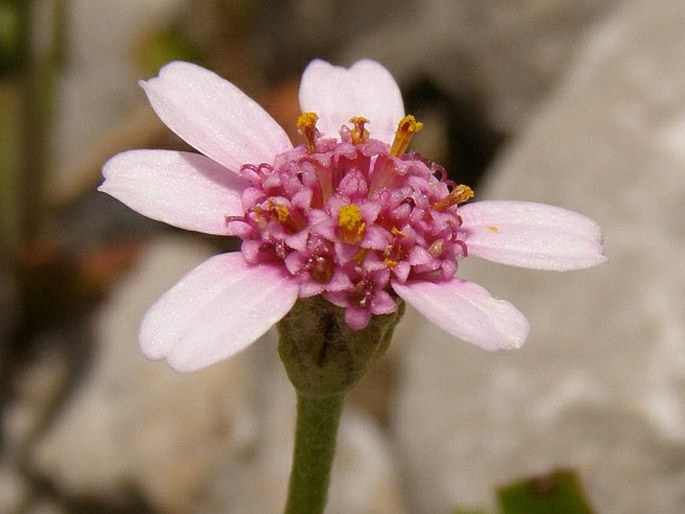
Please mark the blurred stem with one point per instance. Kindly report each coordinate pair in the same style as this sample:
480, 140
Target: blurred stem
27, 85
14, 58
10, 142
317, 427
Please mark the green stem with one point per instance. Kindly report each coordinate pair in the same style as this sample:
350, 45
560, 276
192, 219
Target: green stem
324, 358
317, 427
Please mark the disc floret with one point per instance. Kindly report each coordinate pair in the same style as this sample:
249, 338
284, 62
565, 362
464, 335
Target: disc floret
348, 215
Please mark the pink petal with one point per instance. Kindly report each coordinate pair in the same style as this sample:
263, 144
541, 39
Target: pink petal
337, 94
310, 288
214, 116
340, 281
531, 235
375, 238
183, 189
402, 270
382, 303
216, 310
357, 319
467, 311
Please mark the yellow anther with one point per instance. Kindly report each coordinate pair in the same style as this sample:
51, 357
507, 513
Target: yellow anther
351, 225
390, 263
282, 213
436, 248
258, 216
406, 129
397, 232
459, 194
306, 125
359, 132
462, 193
360, 256
493, 228
392, 255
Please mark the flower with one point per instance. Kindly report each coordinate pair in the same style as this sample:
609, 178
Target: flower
349, 215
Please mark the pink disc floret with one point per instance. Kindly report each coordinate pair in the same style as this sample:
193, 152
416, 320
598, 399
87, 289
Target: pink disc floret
346, 217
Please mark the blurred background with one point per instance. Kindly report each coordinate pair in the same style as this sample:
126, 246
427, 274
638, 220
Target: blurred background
579, 103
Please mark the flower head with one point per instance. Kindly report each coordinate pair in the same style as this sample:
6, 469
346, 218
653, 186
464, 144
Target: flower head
349, 214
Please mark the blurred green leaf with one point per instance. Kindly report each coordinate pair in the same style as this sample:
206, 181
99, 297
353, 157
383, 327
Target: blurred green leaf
163, 45
556, 493
14, 20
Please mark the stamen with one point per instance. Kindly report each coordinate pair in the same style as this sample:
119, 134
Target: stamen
351, 225
359, 132
459, 194
390, 263
392, 255
359, 257
436, 248
281, 214
279, 211
256, 213
306, 125
406, 129
386, 171
234, 219
361, 294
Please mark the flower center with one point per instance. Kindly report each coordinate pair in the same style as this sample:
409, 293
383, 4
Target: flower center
347, 215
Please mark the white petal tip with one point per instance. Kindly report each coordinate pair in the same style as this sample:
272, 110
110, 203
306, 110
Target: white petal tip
532, 235
468, 312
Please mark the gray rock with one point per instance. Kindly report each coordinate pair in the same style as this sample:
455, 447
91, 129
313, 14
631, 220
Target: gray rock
45, 507
36, 389
134, 423
505, 55
14, 491
92, 97
600, 384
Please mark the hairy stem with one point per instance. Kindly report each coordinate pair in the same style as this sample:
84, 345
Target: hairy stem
317, 427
